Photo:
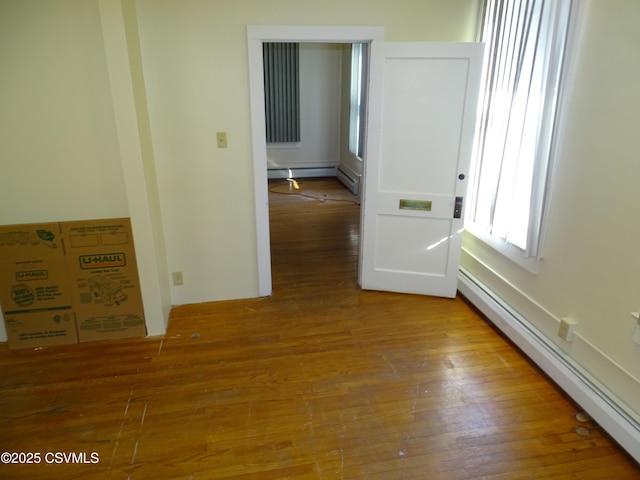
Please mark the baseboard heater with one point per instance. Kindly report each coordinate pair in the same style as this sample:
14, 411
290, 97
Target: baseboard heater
350, 180
297, 172
609, 411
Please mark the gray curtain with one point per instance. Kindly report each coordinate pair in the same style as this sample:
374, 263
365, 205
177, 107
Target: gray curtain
281, 92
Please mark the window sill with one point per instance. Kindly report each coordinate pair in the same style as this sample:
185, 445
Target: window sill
513, 253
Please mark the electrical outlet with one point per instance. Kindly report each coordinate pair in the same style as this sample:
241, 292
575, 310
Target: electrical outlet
222, 139
567, 329
177, 278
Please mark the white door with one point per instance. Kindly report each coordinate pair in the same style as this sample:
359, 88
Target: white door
422, 113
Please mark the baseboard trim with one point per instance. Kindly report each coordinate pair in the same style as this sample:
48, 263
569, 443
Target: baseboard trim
610, 412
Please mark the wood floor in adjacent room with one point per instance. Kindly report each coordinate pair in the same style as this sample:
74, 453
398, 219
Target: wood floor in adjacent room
319, 381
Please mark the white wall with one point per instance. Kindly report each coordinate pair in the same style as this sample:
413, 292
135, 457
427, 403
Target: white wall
320, 78
591, 266
58, 145
196, 70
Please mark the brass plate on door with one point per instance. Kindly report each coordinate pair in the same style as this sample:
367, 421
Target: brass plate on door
415, 205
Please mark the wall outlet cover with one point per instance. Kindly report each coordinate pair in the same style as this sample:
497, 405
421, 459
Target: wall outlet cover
567, 329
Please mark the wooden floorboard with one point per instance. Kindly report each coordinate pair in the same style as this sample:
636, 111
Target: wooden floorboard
319, 381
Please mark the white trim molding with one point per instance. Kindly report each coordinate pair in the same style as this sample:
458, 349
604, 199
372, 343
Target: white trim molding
617, 418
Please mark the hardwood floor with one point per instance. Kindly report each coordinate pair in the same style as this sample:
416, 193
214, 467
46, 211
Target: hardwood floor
319, 381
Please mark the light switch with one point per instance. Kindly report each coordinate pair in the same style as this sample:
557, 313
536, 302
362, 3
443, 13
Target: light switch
222, 139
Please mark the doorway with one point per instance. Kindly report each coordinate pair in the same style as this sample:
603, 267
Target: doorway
256, 36
314, 175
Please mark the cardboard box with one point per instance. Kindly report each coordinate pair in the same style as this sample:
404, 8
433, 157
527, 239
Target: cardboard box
103, 273
34, 290
70, 281
41, 329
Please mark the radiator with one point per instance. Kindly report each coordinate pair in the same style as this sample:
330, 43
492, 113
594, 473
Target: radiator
349, 179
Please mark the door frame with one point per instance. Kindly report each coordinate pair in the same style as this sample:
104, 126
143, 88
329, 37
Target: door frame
256, 36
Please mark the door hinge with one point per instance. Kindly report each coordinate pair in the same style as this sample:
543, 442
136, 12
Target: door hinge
457, 209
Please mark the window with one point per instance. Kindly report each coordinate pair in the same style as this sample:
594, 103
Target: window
282, 92
358, 98
525, 41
